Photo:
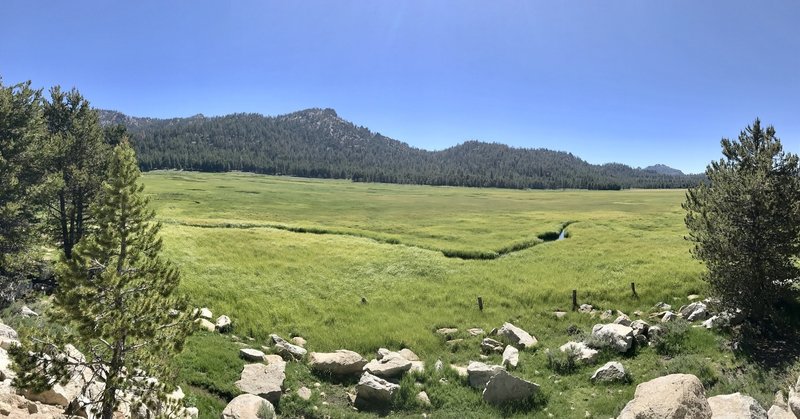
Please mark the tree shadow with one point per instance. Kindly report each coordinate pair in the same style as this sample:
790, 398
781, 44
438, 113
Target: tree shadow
772, 344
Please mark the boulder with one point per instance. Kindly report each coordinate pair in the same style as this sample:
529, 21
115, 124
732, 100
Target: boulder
263, 380
675, 396
653, 332
510, 357
5, 366
192, 412
560, 314
640, 328
668, 317
438, 366
252, 355
585, 308
616, 336
491, 345
479, 373
248, 406
382, 352
224, 324
736, 405
371, 389
476, 331
25, 311
447, 332
206, 325
461, 371
8, 336
205, 313
65, 394
504, 387
794, 399
341, 362
287, 350
694, 311
516, 336
623, 320
583, 352
408, 354
423, 399
606, 315
304, 393
417, 366
610, 372
662, 306
390, 366
297, 340
779, 409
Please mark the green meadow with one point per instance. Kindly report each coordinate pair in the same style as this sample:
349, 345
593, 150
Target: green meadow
296, 256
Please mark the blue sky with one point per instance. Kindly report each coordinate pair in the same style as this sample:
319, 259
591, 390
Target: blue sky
638, 82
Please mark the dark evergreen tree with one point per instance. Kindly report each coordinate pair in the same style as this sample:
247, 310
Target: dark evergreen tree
21, 130
77, 156
745, 223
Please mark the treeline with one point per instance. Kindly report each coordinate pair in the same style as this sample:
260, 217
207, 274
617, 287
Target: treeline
317, 143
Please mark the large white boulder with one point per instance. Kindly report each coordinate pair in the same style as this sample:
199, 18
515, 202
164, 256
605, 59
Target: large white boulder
504, 387
390, 365
341, 362
79, 377
516, 336
616, 336
694, 311
510, 357
675, 396
736, 405
248, 406
263, 380
371, 389
479, 373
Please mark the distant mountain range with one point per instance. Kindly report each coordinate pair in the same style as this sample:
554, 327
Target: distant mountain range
318, 143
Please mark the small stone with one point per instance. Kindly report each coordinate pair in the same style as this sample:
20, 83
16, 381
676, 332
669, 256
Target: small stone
205, 325
25, 311
585, 308
224, 324
423, 399
253, 355
560, 314
297, 340
692, 297
454, 342
491, 345
668, 317
205, 313
304, 393
517, 336
447, 331
408, 354
610, 372
438, 366
475, 331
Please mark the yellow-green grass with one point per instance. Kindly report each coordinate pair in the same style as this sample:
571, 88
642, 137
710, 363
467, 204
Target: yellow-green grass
271, 280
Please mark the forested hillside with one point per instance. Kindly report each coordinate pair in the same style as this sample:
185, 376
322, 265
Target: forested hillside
317, 143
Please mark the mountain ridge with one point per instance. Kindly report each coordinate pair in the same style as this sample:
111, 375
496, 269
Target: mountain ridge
316, 142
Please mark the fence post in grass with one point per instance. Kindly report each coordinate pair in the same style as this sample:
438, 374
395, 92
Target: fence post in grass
574, 300
633, 290
480, 303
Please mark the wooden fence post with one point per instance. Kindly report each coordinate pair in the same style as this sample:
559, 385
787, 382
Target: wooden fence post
574, 300
480, 303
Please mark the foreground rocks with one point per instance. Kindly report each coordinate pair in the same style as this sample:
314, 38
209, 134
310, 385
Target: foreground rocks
516, 336
675, 396
264, 380
248, 406
372, 390
610, 372
616, 336
736, 405
479, 373
504, 387
341, 362
389, 366
582, 351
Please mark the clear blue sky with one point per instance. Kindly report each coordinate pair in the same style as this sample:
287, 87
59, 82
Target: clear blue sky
637, 82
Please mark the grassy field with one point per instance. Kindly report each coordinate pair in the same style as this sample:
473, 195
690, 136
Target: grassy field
243, 244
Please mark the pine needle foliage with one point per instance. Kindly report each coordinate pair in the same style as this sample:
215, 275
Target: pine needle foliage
745, 223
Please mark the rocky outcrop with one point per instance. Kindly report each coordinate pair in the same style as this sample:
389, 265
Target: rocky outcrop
675, 396
736, 405
479, 373
341, 362
248, 406
264, 380
609, 373
516, 336
615, 336
504, 387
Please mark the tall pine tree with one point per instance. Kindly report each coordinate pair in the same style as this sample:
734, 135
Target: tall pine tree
745, 223
120, 297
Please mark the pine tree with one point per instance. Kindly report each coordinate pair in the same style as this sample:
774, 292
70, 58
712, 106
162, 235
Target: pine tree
21, 131
745, 223
120, 296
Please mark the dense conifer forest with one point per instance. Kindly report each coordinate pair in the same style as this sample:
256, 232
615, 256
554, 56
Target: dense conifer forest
318, 143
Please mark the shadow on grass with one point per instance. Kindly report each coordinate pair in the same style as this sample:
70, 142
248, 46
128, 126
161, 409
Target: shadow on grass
772, 344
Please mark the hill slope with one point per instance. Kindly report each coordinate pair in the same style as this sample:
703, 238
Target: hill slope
318, 143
